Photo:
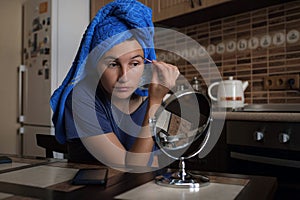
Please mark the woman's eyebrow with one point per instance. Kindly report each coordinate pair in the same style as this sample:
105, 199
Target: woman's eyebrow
116, 59
110, 58
142, 58
137, 57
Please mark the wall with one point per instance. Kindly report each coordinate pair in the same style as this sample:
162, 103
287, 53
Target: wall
252, 46
10, 58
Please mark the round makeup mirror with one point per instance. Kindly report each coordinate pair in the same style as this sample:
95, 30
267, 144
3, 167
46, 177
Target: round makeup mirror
181, 128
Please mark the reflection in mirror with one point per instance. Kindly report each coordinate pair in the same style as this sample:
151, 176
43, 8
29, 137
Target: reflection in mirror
181, 129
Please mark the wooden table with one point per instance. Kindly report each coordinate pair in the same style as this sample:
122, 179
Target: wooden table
256, 187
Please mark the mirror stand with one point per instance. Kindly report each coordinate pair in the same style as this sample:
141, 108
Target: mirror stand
181, 130
182, 178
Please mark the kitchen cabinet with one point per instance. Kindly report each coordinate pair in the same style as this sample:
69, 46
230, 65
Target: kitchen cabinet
165, 9
183, 15
97, 4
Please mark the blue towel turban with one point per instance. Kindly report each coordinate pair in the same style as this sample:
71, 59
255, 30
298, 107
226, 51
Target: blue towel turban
113, 24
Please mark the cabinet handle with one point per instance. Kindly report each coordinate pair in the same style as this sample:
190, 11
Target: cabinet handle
266, 160
192, 4
21, 91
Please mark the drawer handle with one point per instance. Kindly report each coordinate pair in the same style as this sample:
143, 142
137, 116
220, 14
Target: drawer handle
265, 160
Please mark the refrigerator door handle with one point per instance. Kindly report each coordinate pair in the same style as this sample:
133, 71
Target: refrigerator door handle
21, 74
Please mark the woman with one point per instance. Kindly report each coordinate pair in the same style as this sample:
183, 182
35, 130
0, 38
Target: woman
100, 103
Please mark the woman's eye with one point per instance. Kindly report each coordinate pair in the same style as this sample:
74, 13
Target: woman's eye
113, 65
135, 64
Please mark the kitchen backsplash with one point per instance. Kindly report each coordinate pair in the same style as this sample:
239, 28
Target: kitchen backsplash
250, 47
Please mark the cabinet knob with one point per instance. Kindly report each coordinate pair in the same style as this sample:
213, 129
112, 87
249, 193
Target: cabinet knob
258, 136
284, 137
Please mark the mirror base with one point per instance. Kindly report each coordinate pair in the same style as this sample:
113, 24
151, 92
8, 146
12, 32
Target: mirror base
172, 180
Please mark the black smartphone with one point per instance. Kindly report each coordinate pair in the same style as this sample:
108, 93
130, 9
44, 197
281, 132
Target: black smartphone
5, 159
90, 177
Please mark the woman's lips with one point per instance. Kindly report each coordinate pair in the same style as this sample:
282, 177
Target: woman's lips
122, 89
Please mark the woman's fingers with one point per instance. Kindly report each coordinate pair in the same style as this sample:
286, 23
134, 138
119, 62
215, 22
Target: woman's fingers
163, 80
165, 74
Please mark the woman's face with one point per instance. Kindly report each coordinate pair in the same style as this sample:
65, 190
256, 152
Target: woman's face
121, 69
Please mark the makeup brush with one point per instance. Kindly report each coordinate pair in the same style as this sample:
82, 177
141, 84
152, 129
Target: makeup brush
150, 61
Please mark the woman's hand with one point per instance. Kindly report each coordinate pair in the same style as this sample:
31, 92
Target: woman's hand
163, 79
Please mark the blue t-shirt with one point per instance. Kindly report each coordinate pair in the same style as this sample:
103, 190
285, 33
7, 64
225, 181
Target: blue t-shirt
87, 114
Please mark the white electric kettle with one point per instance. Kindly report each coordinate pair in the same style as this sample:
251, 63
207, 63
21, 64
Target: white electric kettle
230, 93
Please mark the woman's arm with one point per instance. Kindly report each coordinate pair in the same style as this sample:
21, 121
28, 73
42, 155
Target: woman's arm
106, 148
164, 78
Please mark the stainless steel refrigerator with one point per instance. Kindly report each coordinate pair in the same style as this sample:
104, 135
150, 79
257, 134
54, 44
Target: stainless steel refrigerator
52, 31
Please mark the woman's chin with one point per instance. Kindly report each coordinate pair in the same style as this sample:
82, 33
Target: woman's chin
122, 95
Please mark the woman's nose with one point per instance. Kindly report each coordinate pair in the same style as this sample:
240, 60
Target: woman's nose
123, 76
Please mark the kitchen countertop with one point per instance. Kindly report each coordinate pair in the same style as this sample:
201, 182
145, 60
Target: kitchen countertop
258, 116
